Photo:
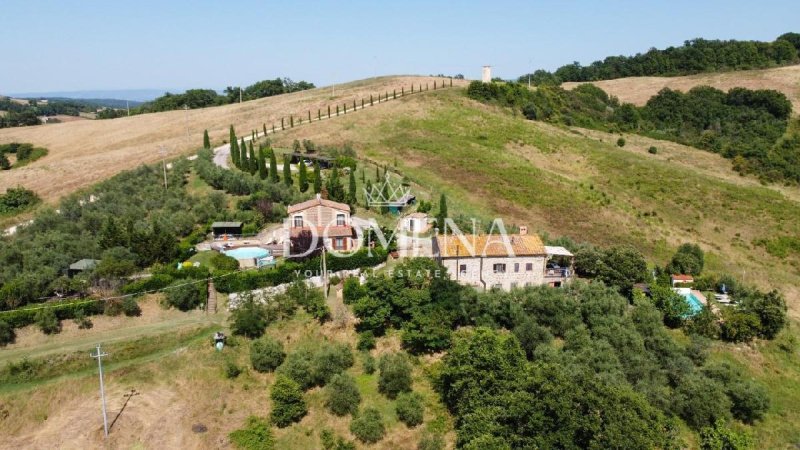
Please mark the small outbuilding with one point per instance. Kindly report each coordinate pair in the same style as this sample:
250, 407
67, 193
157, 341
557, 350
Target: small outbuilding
81, 266
416, 223
226, 229
681, 279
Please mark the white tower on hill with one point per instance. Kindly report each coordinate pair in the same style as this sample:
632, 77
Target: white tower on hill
486, 75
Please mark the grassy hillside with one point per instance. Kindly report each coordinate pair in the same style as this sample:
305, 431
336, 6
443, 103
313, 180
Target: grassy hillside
85, 152
638, 90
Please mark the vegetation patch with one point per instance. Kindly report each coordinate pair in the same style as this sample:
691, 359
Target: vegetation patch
24, 153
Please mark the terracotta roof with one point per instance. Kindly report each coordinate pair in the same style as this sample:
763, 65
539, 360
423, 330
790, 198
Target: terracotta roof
682, 278
489, 245
317, 202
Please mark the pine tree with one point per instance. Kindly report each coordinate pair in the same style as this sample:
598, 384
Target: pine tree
442, 215
302, 177
287, 171
206, 141
273, 167
253, 161
317, 178
262, 165
351, 189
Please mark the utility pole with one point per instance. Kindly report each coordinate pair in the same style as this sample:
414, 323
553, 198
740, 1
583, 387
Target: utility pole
99, 355
240, 95
128, 107
163, 152
324, 271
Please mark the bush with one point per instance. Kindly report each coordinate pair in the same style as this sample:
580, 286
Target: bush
342, 395
287, 402
395, 375
720, 437
366, 340
47, 321
7, 334
130, 307
256, 435
621, 142
232, 370
750, 401
368, 363
352, 290
330, 360
83, 321
186, 296
739, 326
652, 150
410, 408
368, 426
266, 354
224, 263
701, 401
249, 319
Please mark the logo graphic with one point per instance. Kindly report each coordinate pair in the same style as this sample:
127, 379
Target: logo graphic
388, 194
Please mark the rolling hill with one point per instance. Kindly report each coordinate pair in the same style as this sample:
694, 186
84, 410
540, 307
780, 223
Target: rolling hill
638, 90
85, 152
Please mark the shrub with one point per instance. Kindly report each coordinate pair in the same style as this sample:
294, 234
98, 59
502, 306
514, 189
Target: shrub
652, 150
342, 395
352, 290
531, 335
250, 319
297, 366
186, 296
327, 439
701, 401
287, 402
621, 142
368, 426
266, 354
739, 326
395, 375
368, 363
720, 437
256, 435
47, 321
130, 307
82, 320
750, 401
329, 360
112, 307
410, 408
224, 263
366, 340
232, 370
7, 334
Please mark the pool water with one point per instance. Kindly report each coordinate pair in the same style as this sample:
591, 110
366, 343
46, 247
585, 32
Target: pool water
247, 253
695, 305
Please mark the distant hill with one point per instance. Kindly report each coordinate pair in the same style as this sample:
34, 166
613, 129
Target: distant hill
106, 102
137, 95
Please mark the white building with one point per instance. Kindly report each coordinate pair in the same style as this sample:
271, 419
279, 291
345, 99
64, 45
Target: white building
502, 262
415, 223
486, 74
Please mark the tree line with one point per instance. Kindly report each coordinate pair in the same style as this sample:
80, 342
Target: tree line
753, 128
694, 56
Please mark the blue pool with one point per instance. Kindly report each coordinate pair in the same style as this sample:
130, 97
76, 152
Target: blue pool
695, 305
247, 253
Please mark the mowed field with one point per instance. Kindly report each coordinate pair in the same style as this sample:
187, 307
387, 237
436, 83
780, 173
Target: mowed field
638, 90
87, 151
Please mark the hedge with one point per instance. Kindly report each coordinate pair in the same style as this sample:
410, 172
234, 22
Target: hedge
64, 310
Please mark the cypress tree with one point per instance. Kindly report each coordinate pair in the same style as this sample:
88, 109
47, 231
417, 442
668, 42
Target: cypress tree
377, 173
273, 128
262, 164
309, 115
235, 157
282, 127
370, 100
273, 167
243, 160
345, 108
451, 81
317, 178
252, 135
351, 189
337, 110
386, 96
287, 171
442, 215
265, 129
354, 104
394, 93
253, 160
291, 121
363, 175
302, 179
362, 103
329, 111
369, 190
319, 114
402, 91
412, 88
434, 85
206, 141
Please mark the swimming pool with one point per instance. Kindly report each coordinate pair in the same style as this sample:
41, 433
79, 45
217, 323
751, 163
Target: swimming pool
247, 253
695, 305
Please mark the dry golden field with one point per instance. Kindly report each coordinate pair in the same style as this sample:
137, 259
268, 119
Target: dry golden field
638, 90
85, 152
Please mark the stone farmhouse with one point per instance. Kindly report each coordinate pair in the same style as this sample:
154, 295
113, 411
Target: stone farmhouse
328, 220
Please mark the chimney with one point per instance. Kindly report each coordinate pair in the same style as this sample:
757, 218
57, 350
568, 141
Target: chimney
523, 230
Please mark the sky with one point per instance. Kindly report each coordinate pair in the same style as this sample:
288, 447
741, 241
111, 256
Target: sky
68, 45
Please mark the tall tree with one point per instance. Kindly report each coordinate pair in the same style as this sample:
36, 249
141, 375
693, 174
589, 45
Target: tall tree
442, 215
262, 165
302, 179
253, 163
206, 140
273, 167
234, 144
244, 163
351, 189
317, 178
287, 171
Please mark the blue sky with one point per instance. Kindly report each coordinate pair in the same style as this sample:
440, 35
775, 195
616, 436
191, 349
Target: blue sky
91, 44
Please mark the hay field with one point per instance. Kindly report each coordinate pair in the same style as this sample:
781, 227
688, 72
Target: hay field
638, 90
85, 152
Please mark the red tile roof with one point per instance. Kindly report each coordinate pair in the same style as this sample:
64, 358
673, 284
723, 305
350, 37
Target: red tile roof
318, 202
